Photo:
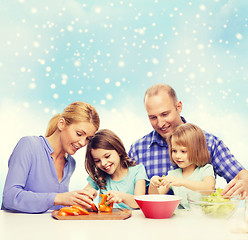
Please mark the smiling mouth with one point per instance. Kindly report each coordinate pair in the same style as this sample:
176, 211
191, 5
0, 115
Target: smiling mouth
107, 168
179, 162
164, 129
75, 147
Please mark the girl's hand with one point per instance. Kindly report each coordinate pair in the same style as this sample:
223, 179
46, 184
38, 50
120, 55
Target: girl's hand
172, 181
114, 197
80, 197
156, 181
158, 185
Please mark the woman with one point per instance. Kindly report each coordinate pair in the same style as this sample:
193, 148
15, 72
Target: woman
40, 168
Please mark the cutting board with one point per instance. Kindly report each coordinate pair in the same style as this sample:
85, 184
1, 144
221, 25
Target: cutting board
116, 214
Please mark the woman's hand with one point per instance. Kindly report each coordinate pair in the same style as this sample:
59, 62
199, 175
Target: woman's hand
90, 191
80, 197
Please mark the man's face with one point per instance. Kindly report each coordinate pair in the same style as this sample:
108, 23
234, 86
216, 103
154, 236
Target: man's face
163, 114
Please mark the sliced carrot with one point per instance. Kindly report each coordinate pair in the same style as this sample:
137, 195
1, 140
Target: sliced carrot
68, 211
94, 208
81, 210
62, 213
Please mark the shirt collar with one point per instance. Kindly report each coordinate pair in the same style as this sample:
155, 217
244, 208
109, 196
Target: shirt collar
156, 138
47, 145
49, 148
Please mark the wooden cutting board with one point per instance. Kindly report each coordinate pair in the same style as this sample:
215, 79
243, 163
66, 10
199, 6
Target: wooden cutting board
116, 214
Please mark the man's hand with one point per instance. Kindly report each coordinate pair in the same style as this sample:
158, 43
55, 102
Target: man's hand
238, 185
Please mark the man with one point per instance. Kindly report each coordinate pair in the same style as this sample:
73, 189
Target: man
163, 109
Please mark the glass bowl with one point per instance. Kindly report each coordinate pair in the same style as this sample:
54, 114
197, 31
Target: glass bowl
211, 204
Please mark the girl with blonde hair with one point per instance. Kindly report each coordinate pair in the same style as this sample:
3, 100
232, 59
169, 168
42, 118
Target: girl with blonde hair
40, 167
188, 151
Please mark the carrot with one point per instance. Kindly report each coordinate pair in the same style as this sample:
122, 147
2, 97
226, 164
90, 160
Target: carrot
68, 211
81, 210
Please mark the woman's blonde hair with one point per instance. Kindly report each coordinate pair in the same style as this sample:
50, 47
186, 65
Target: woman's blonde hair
108, 140
75, 112
192, 137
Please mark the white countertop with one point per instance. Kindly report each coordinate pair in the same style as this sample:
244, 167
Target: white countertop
182, 225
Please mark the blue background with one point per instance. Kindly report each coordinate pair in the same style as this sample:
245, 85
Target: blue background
108, 53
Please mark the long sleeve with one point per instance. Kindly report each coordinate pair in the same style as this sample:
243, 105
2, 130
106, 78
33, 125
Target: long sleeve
31, 183
223, 161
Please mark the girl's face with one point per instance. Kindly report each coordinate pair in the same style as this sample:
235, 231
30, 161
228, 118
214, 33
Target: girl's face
75, 136
106, 160
180, 155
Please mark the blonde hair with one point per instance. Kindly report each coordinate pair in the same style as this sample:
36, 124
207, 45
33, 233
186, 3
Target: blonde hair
108, 140
75, 112
193, 138
158, 88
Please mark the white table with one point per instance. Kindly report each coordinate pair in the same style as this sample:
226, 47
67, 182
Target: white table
183, 225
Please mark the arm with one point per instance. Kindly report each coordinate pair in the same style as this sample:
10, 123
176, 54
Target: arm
208, 183
26, 189
223, 161
17, 194
128, 199
238, 185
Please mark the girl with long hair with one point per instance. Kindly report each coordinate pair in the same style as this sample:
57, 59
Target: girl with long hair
112, 172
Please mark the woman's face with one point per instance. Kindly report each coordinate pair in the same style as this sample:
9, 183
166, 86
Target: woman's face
76, 135
106, 160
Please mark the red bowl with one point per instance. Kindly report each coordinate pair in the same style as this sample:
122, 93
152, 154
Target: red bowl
158, 206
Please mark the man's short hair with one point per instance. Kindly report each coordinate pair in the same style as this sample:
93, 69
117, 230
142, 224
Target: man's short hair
158, 88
